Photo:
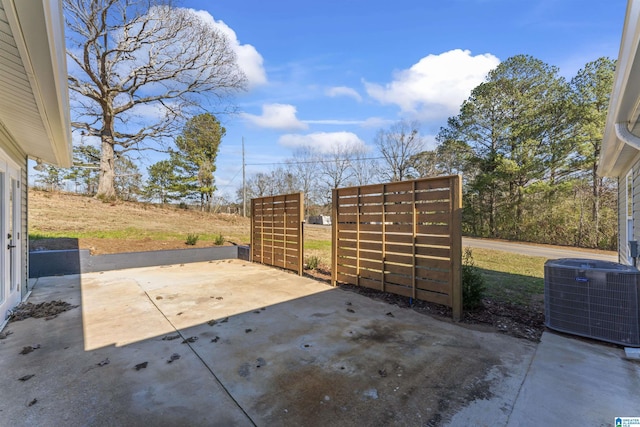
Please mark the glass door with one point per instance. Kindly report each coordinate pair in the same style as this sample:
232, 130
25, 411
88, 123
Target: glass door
10, 239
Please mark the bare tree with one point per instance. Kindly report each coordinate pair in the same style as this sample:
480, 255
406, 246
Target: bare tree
365, 169
304, 167
335, 167
399, 145
137, 70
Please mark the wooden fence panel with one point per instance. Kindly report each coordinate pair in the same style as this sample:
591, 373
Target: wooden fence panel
276, 231
401, 237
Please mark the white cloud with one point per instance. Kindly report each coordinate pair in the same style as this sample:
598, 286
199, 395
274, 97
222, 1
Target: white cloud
437, 85
343, 91
376, 122
249, 59
335, 122
277, 116
323, 142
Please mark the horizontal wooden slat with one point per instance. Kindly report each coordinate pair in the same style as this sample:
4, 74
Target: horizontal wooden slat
365, 209
373, 265
399, 228
375, 189
346, 252
433, 286
399, 186
433, 183
433, 206
399, 198
371, 227
434, 195
398, 290
434, 297
370, 255
433, 217
371, 218
398, 207
440, 276
369, 283
346, 268
373, 198
368, 236
433, 251
398, 269
432, 263
433, 240
347, 217
370, 246
432, 229
346, 278
347, 209
399, 258
371, 274
398, 217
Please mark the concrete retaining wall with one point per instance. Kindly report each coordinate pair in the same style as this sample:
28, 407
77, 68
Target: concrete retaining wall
63, 262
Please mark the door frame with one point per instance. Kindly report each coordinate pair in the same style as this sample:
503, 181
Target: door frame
10, 235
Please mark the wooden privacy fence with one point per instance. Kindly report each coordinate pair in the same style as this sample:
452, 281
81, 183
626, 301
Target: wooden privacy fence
402, 237
276, 231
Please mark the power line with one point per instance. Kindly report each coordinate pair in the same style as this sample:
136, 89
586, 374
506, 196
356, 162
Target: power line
312, 161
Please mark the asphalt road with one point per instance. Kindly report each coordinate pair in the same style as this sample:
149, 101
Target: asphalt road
546, 251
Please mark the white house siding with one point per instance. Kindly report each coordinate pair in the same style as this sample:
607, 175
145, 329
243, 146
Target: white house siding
623, 236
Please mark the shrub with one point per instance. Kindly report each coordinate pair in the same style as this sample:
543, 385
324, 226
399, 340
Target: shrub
312, 262
473, 283
192, 239
218, 240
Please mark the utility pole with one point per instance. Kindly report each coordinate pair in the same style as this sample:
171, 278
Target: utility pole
244, 185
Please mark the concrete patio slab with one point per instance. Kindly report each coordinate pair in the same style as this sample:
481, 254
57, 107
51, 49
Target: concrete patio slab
579, 381
263, 347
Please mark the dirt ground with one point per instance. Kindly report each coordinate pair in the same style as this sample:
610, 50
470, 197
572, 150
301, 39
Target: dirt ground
124, 226
510, 319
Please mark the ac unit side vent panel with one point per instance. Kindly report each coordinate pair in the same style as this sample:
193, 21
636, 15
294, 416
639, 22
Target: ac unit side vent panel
594, 299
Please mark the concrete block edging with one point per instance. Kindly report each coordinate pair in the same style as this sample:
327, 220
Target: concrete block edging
77, 261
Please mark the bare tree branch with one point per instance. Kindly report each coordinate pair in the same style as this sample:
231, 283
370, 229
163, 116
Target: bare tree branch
138, 69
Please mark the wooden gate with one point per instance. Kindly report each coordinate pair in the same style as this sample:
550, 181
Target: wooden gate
402, 237
276, 231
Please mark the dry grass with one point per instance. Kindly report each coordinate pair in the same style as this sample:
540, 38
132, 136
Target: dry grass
124, 226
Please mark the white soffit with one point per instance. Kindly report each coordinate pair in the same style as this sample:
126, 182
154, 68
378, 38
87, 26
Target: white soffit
34, 102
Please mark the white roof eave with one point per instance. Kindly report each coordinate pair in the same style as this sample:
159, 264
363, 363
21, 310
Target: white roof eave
38, 30
623, 106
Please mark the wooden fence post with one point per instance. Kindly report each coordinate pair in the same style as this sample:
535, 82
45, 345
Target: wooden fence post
253, 226
334, 237
456, 246
300, 234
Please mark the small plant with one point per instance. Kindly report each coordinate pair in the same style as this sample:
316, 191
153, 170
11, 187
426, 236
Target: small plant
312, 262
218, 240
473, 283
192, 239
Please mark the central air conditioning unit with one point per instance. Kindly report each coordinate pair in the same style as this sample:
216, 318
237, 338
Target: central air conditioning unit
594, 299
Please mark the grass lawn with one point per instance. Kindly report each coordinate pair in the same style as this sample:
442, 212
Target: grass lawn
510, 277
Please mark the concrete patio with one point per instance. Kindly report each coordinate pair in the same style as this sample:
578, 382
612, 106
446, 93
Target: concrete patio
266, 347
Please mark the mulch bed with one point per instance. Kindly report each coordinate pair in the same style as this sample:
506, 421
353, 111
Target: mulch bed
511, 319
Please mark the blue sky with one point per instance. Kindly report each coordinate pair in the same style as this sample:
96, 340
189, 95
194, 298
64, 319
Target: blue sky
336, 71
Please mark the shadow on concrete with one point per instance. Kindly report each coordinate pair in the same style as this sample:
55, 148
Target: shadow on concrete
254, 345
